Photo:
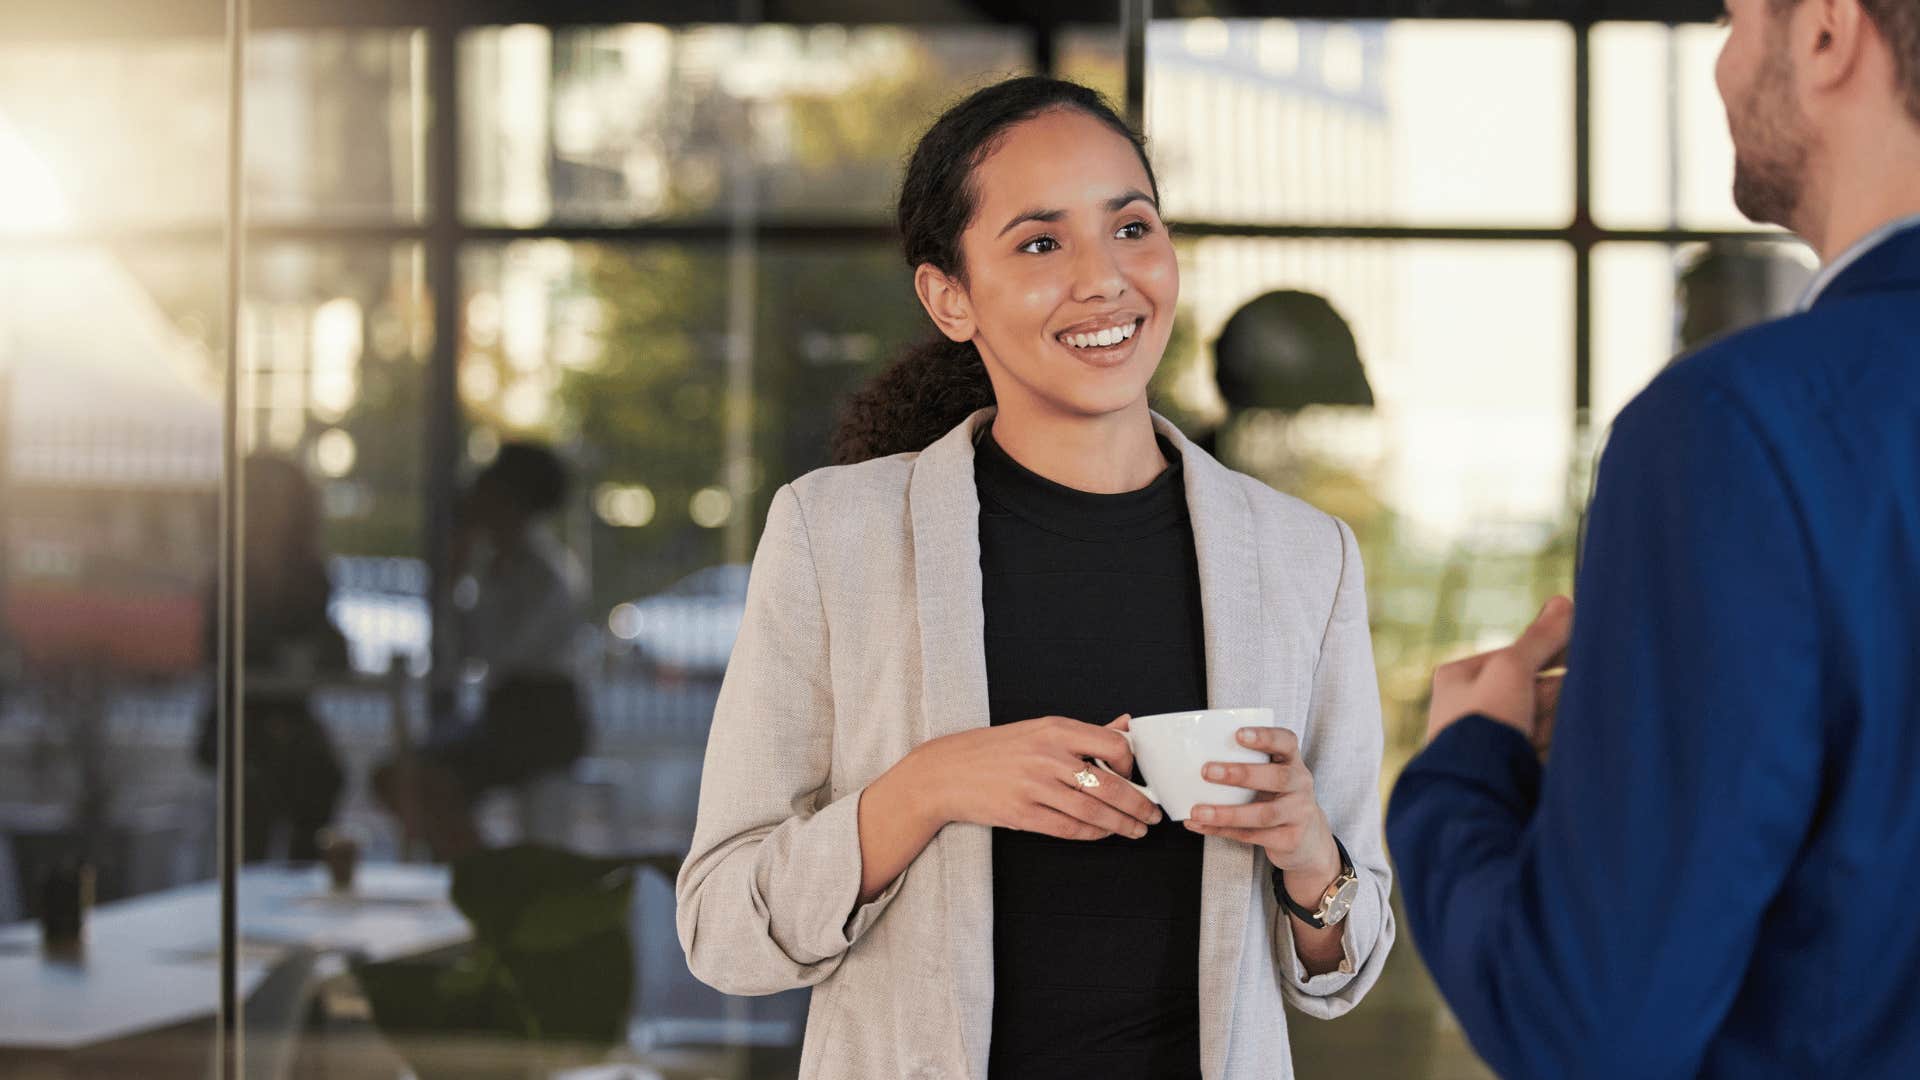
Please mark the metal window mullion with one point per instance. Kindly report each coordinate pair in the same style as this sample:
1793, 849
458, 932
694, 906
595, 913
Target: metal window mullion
743, 276
443, 239
1043, 48
1584, 235
231, 627
1134, 16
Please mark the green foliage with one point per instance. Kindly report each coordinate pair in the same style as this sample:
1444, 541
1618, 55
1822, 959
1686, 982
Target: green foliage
651, 410
382, 424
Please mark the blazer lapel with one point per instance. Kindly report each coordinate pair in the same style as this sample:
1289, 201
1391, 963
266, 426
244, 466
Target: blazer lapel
945, 507
1231, 609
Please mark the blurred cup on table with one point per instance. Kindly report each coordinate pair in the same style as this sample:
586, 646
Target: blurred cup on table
340, 851
66, 894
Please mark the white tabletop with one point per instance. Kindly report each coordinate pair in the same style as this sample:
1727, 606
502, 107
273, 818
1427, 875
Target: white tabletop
152, 962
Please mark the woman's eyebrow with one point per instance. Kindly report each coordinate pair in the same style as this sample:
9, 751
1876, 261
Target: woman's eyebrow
1031, 215
1118, 202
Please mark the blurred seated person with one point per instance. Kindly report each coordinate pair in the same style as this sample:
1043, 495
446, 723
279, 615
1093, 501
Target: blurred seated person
1729, 285
520, 593
1282, 354
1286, 350
290, 774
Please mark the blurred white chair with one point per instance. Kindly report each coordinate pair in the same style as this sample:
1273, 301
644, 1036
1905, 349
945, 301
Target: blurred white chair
273, 1016
583, 808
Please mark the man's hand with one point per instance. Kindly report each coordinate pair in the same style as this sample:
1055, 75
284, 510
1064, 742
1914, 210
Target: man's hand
1504, 684
1546, 708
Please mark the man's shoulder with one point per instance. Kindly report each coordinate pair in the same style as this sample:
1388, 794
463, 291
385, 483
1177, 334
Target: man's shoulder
1809, 359
1751, 374
1789, 390
1746, 358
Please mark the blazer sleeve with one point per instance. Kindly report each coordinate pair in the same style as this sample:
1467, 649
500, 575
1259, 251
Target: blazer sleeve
767, 896
1342, 750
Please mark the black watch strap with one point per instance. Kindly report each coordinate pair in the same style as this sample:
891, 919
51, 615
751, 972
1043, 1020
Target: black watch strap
1309, 917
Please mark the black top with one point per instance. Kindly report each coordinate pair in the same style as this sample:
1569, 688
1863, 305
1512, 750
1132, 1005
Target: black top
1092, 610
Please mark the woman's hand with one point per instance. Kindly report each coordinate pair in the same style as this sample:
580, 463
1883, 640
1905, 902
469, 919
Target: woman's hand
1287, 823
1016, 776
1283, 819
1022, 776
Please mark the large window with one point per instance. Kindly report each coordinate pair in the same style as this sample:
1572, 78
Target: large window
1278, 121
651, 123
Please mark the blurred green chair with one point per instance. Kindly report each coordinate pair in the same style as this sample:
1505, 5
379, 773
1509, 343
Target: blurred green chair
548, 980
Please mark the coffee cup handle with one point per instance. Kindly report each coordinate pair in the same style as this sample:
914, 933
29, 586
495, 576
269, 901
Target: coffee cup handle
1141, 788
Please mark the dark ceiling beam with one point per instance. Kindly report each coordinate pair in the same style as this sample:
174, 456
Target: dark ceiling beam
1579, 11
84, 19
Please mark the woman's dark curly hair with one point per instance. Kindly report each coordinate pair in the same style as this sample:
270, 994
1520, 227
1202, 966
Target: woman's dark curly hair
938, 383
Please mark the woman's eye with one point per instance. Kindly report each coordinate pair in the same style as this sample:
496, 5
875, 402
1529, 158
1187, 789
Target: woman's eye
1134, 230
1040, 245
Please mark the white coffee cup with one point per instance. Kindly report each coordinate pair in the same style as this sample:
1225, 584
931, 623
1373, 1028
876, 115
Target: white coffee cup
1172, 749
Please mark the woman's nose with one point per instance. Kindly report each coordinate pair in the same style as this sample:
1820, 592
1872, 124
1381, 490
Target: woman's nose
1097, 275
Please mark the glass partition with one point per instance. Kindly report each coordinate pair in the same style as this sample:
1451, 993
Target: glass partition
111, 369
580, 315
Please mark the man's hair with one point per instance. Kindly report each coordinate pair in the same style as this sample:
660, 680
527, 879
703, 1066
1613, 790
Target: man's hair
1899, 23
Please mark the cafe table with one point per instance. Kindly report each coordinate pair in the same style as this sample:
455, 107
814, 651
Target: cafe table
150, 964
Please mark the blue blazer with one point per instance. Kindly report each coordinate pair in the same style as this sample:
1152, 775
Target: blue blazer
1718, 872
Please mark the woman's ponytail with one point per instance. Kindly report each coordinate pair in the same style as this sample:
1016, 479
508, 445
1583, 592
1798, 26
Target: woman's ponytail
921, 396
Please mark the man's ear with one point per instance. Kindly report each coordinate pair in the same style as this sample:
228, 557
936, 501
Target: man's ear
1832, 42
946, 302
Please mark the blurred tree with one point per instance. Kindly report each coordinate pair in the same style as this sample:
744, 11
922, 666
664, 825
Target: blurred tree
650, 409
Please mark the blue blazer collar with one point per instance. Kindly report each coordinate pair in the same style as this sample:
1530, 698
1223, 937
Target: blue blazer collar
1893, 266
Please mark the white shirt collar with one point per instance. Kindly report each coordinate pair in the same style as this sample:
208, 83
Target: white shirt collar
1853, 255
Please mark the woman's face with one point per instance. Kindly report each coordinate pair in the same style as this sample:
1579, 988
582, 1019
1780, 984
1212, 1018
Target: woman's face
1071, 278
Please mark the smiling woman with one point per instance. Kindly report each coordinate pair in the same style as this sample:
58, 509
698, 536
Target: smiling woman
995, 220
1018, 557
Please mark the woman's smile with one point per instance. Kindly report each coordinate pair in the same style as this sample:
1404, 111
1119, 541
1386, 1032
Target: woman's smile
1104, 342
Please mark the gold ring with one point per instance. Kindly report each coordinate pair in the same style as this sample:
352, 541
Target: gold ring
1087, 778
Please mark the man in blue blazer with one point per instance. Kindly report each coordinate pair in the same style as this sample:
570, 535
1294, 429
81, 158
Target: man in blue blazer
1717, 871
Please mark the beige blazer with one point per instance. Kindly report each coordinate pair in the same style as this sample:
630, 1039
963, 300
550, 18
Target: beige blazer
863, 638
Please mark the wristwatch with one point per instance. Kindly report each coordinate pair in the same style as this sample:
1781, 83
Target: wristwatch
1335, 903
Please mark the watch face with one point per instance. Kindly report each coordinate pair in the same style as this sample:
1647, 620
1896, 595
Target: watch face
1341, 903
